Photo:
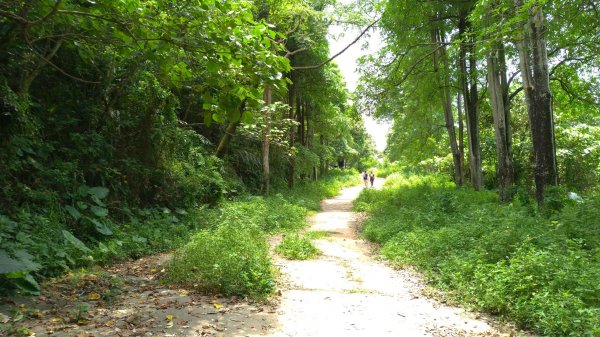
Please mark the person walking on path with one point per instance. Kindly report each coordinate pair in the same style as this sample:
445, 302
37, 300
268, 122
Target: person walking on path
366, 179
372, 178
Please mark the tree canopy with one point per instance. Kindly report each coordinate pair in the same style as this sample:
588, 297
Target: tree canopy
118, 112
499, 84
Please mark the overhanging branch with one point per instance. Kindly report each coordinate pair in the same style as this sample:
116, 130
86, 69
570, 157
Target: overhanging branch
341, 52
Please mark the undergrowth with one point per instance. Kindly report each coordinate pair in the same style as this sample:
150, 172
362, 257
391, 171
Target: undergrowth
231, 256
540, 269
231, 259
90, 230
297, 247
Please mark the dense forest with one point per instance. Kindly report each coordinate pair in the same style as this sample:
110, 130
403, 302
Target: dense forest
123, 122
203, 127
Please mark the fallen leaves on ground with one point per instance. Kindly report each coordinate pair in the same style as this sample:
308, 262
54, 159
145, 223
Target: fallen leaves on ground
125, 299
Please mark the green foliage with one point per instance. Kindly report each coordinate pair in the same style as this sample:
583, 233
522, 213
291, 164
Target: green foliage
387, 168
312, 235
297, 247
272, 214
231, 259
539, 269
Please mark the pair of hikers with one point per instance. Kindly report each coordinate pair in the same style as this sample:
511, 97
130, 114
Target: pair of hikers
368, 178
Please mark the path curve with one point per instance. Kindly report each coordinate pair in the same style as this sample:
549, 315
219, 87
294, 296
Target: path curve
346, 292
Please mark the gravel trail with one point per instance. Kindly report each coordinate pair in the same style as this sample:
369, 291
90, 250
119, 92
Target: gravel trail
347, 292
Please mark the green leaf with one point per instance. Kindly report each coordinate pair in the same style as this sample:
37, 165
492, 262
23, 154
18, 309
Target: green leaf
218, 117
75, 242
247, 117
212, 67
28, 285
10, 265
139, 239
99, 211
23, 237
101, 227
27, 259
98, 192
103, 248
207, 118
73, 212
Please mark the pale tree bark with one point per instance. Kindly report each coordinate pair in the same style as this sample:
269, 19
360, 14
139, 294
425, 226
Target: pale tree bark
310, 135
468, 79
533, 61
266, 142
43, 61
498, 89
447, 102
292, 97
323, 160
461, 132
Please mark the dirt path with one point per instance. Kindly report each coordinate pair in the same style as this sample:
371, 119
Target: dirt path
346, 292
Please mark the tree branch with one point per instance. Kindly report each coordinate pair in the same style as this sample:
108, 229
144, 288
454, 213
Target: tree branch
55, 66
341, 52
26, 22
514, 93
419, 61
52, 12
292, 53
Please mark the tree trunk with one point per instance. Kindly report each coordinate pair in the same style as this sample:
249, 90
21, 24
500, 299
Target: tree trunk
292, 161
447, 102
498, 88
310, 135
301, 111
229, 133
473, 124
323, 160
461, 133
468, 78
42, 62
266, 144
533, 61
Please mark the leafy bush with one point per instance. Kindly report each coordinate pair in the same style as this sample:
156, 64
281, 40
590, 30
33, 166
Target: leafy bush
272, 214
297, 247
232, 259
539, 269
387, 168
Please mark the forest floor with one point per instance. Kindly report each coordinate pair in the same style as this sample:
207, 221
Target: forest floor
346, 291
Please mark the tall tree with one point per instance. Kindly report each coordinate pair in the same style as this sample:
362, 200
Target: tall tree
468, 83
533, 62
498, 90
440, 55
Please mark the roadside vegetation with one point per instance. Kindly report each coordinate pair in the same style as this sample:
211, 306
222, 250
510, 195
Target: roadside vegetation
539, 268
297, 247
232, 256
